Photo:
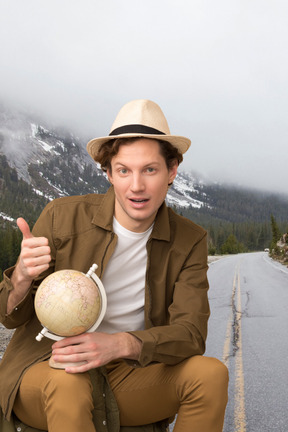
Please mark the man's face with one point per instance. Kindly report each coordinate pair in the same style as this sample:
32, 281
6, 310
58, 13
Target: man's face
140, 178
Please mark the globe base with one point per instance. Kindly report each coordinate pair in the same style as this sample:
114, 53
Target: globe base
57, 365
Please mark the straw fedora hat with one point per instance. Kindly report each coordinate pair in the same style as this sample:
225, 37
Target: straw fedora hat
140, 118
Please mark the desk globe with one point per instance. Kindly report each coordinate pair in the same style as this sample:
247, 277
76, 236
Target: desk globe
68, 303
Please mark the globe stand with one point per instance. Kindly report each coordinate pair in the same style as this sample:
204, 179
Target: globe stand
45, 331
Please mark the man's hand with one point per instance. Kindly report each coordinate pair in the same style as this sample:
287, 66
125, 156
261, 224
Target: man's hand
33, 260
96, 349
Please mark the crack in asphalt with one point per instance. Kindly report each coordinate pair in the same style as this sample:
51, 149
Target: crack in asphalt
235, 325
236, 320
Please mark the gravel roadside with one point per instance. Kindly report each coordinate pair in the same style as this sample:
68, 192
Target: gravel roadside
5, 336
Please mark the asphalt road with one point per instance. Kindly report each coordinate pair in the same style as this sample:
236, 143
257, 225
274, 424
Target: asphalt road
248, 332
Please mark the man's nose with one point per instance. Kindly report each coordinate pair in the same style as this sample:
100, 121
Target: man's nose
137, 183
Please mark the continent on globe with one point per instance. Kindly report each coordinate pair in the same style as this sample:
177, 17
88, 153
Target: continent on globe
68, 303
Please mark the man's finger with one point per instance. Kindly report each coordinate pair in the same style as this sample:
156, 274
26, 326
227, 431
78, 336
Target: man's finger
24, 228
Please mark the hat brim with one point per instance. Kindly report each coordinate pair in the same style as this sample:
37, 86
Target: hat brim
180, 142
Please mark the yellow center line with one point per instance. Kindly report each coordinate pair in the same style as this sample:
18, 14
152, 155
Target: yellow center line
227, 342
239, 408
233, 341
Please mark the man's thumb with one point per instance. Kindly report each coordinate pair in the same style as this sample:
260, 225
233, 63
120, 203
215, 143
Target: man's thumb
24, 228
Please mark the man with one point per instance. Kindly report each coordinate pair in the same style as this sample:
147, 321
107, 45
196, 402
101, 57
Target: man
153, 265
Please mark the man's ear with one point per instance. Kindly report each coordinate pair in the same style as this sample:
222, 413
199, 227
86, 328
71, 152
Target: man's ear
173, 171
109, 175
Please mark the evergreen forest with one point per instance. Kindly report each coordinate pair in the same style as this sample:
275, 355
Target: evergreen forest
239, 220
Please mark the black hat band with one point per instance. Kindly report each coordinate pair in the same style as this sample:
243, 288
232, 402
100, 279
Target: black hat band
136, 128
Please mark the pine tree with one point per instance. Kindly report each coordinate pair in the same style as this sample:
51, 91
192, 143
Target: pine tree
276, 234
231, 246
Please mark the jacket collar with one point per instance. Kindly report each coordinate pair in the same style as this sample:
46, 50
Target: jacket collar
161, 229
104, 217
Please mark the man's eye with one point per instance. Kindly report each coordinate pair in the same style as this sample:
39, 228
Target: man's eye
150, 170
123, 171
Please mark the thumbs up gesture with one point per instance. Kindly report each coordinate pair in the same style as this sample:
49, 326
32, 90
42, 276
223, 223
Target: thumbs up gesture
35, 253
24, 228
34, 258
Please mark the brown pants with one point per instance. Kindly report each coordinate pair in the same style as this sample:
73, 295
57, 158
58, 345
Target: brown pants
196, 389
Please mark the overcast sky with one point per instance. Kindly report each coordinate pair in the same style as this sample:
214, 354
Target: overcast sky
218, 69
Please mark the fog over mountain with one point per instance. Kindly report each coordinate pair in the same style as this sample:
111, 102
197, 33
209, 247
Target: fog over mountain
217, 69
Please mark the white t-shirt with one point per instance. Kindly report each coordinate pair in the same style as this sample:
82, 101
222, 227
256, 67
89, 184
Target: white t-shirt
124, 282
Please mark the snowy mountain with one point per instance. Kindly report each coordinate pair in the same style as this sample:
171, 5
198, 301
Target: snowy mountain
55, 162
39, 162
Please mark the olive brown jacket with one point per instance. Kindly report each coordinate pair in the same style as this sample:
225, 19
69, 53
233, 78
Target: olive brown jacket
80, 233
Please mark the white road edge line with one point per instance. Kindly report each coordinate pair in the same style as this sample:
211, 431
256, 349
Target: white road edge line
284, 270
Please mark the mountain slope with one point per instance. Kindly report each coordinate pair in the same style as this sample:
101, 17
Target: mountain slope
55, 163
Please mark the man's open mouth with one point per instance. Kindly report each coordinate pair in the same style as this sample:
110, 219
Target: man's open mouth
138, 200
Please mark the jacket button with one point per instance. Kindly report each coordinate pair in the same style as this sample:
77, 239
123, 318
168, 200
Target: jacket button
19, 429
104, 422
